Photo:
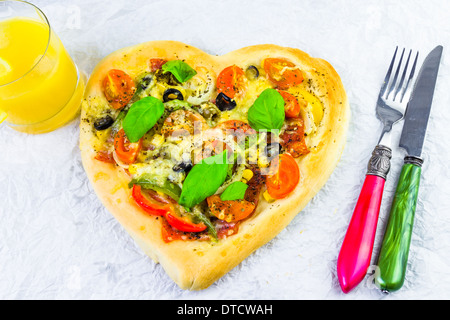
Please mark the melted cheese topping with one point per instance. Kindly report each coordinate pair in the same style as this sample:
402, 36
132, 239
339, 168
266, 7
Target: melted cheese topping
245, 101
168, 152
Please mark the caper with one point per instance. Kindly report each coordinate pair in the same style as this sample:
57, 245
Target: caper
103, 123
210, 112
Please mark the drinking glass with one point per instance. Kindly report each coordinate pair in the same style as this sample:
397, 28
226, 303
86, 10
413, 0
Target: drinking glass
41, 88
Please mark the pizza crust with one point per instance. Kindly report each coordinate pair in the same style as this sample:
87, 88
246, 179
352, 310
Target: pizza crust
196, 265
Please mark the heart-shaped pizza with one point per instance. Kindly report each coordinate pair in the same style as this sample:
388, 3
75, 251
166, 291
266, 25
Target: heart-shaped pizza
203, 159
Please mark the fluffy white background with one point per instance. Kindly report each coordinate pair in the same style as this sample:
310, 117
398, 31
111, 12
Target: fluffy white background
58, 242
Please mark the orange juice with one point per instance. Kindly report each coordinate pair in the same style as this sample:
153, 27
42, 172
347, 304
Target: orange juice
40, 87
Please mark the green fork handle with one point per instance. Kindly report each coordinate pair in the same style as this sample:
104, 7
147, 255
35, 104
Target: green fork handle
393, 256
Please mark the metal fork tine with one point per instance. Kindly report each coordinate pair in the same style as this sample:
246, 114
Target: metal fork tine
400, 85
411, 75
394, 81
388, 75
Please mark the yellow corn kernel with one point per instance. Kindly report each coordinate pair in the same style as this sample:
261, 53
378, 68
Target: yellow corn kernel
157, 140
268, 197
263, 162
247, 174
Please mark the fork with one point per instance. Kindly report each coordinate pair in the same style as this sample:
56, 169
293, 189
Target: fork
356, 251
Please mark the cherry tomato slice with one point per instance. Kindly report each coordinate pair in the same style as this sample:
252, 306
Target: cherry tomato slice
104, 156
236, 125
125, 150
282, 73
282, 183
293, 138
291, 104
183, 223
156, 64
230, 210
297, 148
148, 205
231, 81
118, 88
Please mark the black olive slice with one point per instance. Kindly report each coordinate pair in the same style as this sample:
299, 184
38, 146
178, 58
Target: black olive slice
145, 82
172, 94
182, 166
252, 72
225, 103
103, 123
272, 150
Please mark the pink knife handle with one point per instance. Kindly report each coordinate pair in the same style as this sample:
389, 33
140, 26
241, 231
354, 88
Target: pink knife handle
356, 251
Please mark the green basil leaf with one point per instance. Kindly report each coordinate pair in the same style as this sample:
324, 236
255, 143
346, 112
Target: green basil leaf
141, 117
180, 69
204, 179
267, 112
235, 191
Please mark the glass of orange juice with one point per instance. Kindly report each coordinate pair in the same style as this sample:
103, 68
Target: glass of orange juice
41, 88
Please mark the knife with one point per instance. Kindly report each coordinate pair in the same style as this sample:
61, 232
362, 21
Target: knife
393, 256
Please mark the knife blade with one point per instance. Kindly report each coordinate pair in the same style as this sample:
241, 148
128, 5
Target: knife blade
418, 110
393, 256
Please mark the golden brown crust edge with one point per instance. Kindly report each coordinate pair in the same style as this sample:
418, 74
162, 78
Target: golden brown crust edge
196, 265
